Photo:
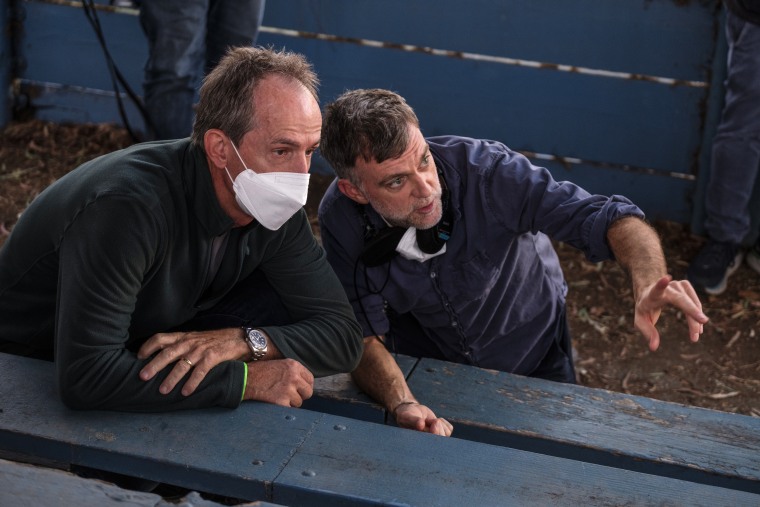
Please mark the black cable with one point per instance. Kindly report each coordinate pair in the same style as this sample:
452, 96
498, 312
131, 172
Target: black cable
116, 76
371, 292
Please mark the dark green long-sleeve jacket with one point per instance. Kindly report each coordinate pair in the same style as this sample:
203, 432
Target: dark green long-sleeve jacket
118, 250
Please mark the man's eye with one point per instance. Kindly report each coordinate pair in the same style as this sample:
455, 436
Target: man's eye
395, 182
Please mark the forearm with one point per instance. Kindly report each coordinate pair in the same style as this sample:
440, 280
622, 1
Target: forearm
326, 344
379, 376
323, 334
114, 384
638, 250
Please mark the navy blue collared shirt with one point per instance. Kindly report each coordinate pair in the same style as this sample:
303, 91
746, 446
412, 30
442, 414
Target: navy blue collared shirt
494, 297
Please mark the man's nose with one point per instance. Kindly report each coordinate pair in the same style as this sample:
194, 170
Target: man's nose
302, 163
425, 186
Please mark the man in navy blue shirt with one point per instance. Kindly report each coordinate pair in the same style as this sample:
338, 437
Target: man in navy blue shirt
442, 245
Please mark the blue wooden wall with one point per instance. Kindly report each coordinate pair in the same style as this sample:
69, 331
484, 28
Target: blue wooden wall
620, 96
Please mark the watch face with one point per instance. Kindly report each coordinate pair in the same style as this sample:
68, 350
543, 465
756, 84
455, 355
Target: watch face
258, 339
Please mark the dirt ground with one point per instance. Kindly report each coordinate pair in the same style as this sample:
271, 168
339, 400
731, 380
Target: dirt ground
721, 371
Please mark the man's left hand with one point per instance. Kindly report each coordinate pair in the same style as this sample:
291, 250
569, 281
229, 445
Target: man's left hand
666, 291
419, 417
195, 352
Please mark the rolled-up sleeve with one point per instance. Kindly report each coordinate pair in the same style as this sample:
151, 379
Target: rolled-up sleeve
525, 197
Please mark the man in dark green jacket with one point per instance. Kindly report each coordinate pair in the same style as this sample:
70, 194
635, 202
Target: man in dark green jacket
171, 275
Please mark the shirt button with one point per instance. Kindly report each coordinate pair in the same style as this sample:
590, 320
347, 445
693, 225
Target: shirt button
432, 274
453, 323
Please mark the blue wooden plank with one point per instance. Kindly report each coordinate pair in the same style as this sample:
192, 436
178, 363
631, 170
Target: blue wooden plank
660, 196
237, 453
609, 123
71, 104
298, 457
23, 485
652, 37
60, 46
619, 122
593, 425
348, 463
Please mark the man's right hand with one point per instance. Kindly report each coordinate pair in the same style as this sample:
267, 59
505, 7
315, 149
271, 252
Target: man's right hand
283, 382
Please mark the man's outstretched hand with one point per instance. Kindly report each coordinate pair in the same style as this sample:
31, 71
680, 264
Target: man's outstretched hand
668, 292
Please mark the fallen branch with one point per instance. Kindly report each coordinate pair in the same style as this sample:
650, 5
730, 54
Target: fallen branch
713, 396
625, 382
733, 339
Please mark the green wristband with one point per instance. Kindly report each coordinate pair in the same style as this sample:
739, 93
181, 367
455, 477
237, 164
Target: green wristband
245, 379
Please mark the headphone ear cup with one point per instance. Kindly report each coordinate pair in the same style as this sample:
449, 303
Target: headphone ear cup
429, 240
432, 240
381, 248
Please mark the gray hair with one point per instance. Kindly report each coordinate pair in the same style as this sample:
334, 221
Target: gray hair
371, 123
226, 95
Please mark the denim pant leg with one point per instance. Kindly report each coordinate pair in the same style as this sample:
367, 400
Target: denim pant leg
252, 303
231, 23
736, 147
176, 34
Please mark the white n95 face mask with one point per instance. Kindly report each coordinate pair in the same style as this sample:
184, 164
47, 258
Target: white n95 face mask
270, 198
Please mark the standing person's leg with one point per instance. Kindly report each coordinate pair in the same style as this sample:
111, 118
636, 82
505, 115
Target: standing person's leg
231, 23
176, 34
735, 161
736, 147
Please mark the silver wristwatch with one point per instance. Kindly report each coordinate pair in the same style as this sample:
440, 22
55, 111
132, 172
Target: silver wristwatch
257, 342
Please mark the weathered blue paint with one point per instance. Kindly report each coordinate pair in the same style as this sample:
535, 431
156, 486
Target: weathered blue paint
625, 93
660, 37
593, 425
619, 122
298, 457
22, 485
382, 465
59, 46
241, 457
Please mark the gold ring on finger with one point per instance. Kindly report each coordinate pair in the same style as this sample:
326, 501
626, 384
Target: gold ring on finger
189, 362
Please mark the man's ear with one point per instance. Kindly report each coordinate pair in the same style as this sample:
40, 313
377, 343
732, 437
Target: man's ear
216, 147
351, 191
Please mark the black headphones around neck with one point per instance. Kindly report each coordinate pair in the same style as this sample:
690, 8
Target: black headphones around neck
380, 245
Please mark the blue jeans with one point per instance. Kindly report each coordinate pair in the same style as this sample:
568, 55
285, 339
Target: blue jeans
736, 146
186, 39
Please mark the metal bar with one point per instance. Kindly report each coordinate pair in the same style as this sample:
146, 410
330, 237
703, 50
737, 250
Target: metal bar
503, 60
